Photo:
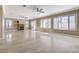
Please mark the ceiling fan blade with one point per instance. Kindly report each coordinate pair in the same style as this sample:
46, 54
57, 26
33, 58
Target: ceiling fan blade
42, 11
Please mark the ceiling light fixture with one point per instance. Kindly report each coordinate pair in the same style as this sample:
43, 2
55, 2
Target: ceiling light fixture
24, 5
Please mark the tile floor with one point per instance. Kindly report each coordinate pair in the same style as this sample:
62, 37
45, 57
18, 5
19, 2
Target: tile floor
37, 42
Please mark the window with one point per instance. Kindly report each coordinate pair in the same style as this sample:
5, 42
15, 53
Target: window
27, 24
8, 24
72, 21
67, 22
45, 23
64, 22
55, 23
59, 23
33, 25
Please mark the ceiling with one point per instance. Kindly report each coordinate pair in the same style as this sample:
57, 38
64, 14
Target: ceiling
17, 11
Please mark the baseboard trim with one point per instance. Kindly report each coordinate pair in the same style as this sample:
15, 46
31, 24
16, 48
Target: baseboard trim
59, 34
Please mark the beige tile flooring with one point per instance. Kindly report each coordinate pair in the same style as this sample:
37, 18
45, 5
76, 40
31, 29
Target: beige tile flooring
37, 42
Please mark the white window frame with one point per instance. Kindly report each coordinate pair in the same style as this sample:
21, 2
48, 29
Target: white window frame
26, 24
75, 22
63, 27
8, 24
55, 22
58, 28
45, 23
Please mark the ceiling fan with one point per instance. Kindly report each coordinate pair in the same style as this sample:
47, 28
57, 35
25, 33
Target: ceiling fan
23, 5
39, 10
35, 8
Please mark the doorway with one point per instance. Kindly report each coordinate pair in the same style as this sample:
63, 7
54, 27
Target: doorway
33, 25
